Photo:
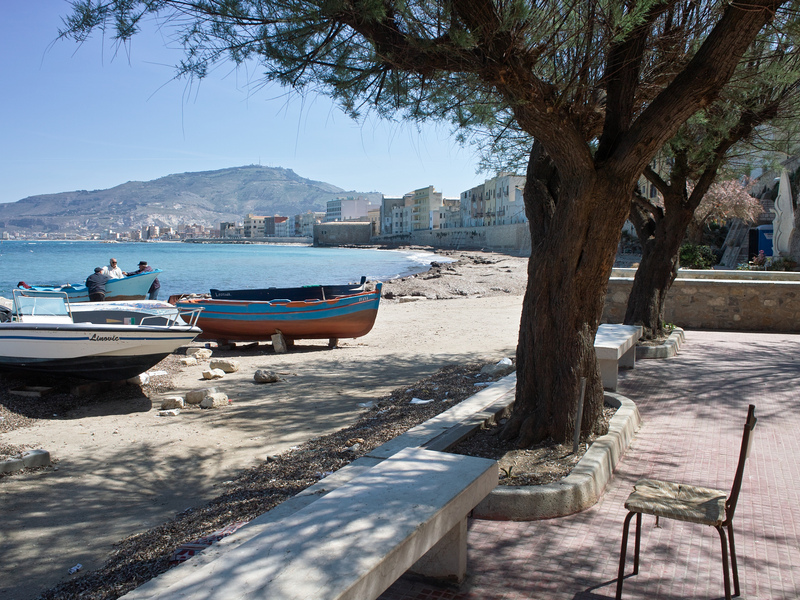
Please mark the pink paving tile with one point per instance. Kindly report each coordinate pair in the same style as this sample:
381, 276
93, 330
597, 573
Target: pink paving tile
693, 407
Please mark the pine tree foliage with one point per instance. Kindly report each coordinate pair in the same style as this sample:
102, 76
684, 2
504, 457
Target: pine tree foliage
598, 86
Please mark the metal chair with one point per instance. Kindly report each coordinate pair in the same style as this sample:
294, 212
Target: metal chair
689, 504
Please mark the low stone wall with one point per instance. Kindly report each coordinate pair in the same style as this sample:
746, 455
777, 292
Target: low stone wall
742, 301
721, 274
345, 233
511, 239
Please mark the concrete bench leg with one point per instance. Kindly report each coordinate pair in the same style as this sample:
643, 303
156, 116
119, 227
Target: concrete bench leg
608, 371
447, 560
628, 360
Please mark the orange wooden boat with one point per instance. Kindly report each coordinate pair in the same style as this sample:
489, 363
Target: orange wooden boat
348, 316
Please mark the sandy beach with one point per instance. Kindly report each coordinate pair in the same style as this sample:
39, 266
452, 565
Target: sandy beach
121, 469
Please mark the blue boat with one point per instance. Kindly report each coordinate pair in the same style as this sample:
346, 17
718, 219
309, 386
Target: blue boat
133, 287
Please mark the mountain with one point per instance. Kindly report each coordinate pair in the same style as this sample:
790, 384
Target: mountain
206, 198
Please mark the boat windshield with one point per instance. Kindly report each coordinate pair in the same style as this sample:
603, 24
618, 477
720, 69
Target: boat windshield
33, 305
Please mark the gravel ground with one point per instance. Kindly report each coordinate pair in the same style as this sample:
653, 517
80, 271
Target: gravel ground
255, 491
22, 411
141, 557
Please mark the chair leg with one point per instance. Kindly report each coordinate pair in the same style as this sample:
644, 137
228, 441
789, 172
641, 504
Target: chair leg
637, 543
734, 567
725, 573
624, 551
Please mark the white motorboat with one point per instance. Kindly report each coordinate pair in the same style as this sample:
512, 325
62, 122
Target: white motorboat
126, 312
105, 342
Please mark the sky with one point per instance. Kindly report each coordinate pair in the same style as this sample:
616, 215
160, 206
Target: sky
87, 117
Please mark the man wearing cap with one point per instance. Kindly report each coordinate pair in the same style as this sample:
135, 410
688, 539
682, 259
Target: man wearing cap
143, 268
96, 285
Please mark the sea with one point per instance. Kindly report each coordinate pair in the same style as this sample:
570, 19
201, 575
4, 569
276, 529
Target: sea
196, 268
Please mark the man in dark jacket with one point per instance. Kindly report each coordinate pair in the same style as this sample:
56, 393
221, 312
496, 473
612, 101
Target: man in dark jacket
96, 284
156, 285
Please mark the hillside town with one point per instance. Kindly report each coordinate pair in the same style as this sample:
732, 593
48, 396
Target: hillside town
498, 201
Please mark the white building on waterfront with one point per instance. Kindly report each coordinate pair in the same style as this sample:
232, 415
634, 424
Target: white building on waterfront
347, 209
425, 212
498, 201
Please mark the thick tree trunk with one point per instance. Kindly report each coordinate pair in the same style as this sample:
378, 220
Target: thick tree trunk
661, 245
572, 255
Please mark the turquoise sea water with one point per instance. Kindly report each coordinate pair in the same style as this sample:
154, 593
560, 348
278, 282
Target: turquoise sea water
196, 268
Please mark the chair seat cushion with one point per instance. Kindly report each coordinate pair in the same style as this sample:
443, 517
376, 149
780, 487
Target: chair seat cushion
677, 501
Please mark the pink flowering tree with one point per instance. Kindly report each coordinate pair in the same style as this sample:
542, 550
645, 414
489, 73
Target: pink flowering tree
723, 201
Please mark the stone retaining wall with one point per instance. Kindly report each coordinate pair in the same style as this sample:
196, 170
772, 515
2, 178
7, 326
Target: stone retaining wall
512, 239
765, 302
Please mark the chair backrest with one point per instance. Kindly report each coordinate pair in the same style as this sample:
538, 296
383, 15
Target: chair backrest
744, 453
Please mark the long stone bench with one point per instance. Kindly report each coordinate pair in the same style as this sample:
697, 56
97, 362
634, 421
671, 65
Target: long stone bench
407, 512
615, 346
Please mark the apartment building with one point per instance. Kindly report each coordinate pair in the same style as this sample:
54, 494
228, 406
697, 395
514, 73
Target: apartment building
472, 207
425, 211
450, 213
304, 223
498, 201
504, 203
254, 226
395, 215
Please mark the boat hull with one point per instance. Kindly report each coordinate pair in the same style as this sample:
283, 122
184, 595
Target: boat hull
134, 287
232, 320
308, 292
99, 352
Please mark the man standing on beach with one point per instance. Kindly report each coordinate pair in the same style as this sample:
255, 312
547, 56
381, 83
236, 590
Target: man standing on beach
96, 285
143, 268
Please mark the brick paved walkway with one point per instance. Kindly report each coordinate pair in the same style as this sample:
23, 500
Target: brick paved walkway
693, 408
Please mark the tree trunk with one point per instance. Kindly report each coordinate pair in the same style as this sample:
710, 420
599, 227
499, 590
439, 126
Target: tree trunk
661, 245
573, 251
695, 232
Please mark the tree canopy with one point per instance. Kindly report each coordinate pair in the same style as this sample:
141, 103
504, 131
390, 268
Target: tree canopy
598, 86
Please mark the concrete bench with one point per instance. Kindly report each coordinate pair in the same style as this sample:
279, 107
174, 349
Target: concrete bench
615, 346
407, 512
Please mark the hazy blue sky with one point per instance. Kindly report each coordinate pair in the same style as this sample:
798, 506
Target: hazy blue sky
82, 117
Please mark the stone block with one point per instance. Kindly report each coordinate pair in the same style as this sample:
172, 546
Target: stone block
189, 361
265, 376
174, 412
279, 343
199, 353
215, 400
196, 396
140, 379
213, 374
228, 365
171, 402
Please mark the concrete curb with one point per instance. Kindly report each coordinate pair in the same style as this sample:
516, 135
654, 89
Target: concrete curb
668, 349
580, 489
28, 460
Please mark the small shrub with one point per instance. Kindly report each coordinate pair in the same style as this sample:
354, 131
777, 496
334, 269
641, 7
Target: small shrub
760, 260
697, 257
